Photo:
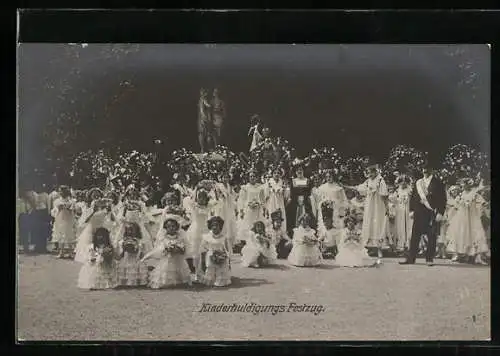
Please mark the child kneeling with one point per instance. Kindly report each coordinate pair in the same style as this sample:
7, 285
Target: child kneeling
259, 250
305, 251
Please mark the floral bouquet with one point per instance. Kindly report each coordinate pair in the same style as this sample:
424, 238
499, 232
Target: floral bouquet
174, 247
95, 257
354, 237
310, 240
264, 240
133, 206
130, 246
107, 255
65, 206
254, 204
218, 257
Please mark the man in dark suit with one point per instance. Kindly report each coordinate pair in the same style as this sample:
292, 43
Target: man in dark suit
427, 205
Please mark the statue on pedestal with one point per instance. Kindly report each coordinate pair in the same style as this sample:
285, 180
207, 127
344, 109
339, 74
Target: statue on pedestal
205, 125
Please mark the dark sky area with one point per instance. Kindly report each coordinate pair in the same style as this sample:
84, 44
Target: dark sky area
358, 98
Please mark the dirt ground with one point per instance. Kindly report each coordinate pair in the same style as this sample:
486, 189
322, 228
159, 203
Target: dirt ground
391, 302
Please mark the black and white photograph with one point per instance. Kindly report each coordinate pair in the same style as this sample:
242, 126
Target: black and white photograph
192, 192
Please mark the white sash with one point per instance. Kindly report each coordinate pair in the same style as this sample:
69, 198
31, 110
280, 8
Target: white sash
423, 197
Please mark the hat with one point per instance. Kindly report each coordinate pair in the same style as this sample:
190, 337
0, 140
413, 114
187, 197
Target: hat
91, 191
215, 219
173, 217
277, 215
169, 195
175, 210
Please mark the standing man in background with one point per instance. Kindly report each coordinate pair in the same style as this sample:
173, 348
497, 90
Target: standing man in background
41, 218
25, 207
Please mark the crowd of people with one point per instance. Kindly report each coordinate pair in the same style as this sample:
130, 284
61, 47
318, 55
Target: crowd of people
189, 235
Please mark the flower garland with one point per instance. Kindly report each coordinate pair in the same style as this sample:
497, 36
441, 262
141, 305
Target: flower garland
403, 159
275, 151
462, 161
325, 159
353, 170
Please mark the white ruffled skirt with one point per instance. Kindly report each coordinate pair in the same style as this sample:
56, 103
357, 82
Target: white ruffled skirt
171, 270
303, 255
97, 276
353, 255
251, 253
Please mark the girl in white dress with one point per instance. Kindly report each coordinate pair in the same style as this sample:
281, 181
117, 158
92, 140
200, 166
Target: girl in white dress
171, 205
98, 215
251, 204
131, 271
352, 252
451, 208
305, 251
357, 207
133, 210
466, 234
403, 222
201, 209
315, 197
333, 194
172, 268
226, 209
328, 233
99, 268
279, 235
259, 250
276, 194
375, 212
63, 230
215, 252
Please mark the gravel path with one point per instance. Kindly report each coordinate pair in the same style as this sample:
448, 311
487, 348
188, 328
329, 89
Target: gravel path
392, 302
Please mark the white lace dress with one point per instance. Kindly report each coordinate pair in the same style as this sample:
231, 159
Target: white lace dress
172, 268
466, 234
216, 274
64, 230
304, 254
255, 248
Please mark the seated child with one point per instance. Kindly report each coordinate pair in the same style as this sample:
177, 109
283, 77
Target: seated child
305, 251
279, 236
259, 250
352, 253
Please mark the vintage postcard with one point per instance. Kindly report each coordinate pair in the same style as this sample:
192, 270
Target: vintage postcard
253, 192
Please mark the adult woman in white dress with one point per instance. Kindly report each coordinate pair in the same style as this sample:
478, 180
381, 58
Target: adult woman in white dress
374, 228
332, 193
251, 202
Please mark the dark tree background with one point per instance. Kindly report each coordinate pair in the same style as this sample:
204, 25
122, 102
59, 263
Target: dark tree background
360, 99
